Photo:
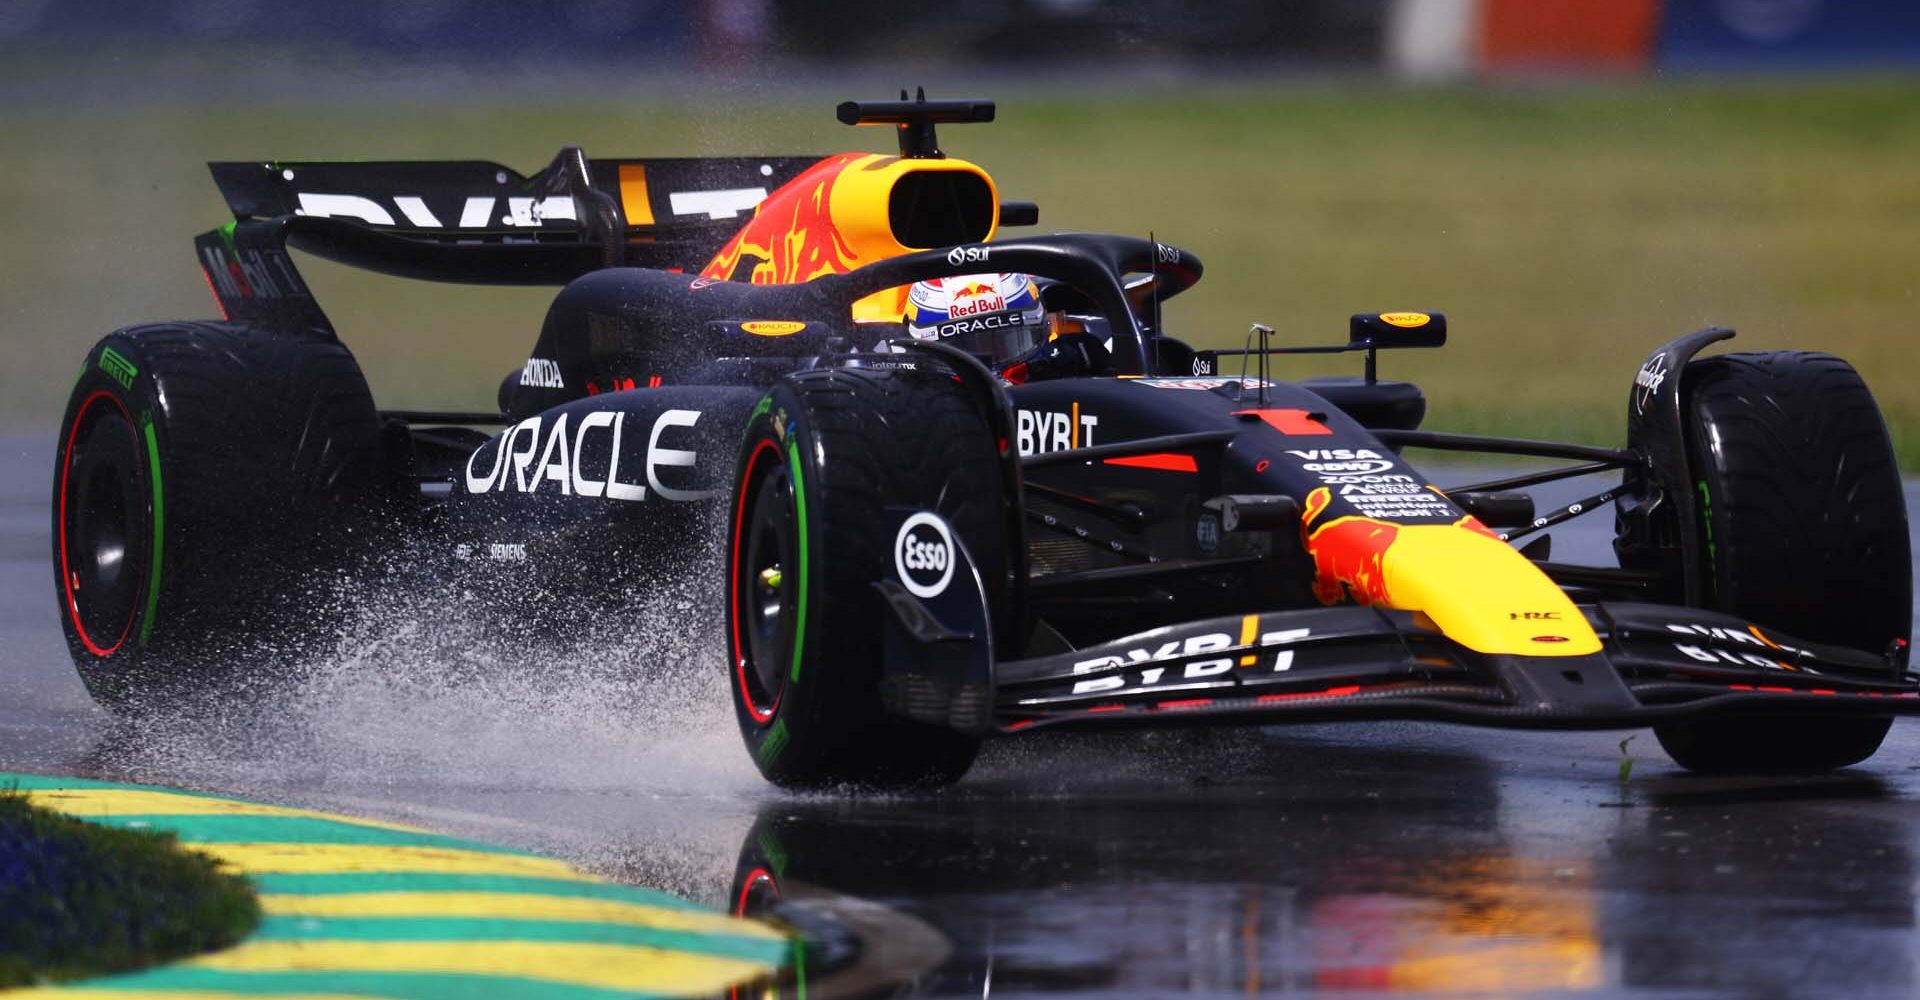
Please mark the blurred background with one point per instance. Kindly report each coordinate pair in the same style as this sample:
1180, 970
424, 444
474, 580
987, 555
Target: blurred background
1572, 182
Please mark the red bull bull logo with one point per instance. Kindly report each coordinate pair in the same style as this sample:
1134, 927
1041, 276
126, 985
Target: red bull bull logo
792, 237
1349, 553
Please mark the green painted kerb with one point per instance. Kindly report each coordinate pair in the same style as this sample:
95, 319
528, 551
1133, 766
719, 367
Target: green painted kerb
335, 883
383, 985
800, 506
254, 829
159, 529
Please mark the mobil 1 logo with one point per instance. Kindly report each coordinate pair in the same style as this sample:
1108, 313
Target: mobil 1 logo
924, 554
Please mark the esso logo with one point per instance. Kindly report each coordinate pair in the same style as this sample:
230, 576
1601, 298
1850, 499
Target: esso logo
923, 555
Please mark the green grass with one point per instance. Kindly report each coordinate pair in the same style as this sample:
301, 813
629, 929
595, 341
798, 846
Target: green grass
80, 900
1565, 231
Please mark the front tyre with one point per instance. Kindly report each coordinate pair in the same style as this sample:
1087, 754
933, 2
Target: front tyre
1806, 528
826, 454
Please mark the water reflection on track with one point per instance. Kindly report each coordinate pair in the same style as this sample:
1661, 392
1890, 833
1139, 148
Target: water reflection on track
1389, 858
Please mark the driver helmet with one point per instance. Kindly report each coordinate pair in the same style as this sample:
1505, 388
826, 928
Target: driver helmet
996, 316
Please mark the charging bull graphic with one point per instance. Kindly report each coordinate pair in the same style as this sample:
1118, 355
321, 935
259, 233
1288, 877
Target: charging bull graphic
845, 211
1349, 553
792, 236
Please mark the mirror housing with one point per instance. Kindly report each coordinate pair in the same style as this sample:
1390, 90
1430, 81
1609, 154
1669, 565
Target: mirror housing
1381, 330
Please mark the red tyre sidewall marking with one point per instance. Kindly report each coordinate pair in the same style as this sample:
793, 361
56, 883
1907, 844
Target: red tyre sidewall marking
66, 574
733, 592
754, 878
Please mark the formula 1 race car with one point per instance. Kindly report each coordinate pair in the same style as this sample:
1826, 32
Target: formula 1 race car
970, 486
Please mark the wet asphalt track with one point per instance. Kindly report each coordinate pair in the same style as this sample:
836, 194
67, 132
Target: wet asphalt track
1391, 857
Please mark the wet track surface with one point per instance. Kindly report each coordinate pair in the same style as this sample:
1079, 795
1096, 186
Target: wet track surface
1411, 858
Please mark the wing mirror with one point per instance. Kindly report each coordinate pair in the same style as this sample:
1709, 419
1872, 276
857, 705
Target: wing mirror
1377, 331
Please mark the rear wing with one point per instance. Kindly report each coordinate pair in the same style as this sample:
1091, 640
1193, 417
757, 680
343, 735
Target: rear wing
665, 212
472, 221
681, 200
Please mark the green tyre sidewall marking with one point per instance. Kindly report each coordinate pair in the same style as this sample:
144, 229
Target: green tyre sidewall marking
800, 518
770, 848
159, 528
774, 741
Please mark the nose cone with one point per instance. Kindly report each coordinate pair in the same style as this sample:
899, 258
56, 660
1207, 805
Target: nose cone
1483, 594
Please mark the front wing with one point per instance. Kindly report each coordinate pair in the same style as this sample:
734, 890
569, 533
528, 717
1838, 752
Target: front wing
1656, 663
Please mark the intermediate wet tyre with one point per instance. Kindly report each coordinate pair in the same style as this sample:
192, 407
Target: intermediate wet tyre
211, 482
1805, 526
825, 455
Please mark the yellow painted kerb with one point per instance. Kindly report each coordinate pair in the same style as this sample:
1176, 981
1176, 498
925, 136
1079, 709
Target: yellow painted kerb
460, 911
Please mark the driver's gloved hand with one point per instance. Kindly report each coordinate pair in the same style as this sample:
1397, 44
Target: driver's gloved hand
1066, 356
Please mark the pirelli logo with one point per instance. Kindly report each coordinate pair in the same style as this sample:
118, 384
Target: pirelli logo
117, 367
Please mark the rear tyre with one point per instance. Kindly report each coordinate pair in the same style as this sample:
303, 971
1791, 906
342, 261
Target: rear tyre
825, 454
210, 481
1806, 530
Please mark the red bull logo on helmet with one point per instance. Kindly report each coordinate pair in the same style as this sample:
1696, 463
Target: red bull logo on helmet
975, 299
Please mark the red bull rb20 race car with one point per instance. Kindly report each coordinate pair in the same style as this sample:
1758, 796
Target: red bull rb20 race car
970, 485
